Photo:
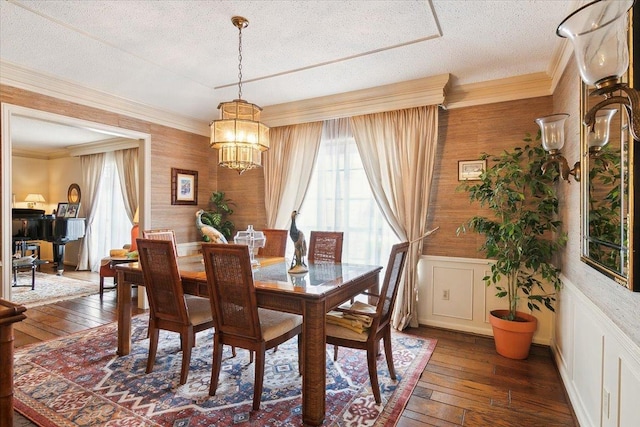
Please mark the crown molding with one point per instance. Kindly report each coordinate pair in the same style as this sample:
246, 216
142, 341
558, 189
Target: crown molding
501, 90
23, 78
411, 93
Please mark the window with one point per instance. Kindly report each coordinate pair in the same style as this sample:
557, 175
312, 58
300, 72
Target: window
339, 199
112, 227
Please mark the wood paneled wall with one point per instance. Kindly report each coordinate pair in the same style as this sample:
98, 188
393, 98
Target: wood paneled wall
464, 134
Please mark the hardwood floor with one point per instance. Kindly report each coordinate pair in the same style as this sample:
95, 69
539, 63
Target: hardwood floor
466, 383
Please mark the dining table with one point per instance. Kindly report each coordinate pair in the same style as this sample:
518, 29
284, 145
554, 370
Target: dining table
312, 295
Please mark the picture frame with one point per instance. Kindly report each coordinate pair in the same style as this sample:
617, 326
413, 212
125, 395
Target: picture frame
72, 210
61, 211
184, 187
470, 170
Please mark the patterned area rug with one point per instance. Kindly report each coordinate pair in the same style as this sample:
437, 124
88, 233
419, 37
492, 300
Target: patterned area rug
79, 381
49, 288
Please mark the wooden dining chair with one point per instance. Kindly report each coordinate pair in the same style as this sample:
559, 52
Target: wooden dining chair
275, 243
161, 234
170, 308
378, 318
238, 320
325, 246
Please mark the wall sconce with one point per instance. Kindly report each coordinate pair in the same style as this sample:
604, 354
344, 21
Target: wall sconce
33, 199
598, 32
552, 132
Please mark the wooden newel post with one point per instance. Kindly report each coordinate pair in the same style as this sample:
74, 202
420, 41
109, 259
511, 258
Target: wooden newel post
10, 313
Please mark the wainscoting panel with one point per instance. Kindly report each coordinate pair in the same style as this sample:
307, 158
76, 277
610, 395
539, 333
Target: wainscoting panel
470, 300
452, 292
598, 363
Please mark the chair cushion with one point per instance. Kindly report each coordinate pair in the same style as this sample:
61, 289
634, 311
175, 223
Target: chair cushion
276, 323
198, 309
338, 331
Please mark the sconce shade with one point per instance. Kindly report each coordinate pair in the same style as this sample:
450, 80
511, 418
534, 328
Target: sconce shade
598, 32
552, 129
599, 136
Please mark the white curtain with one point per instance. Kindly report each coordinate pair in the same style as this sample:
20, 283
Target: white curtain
287, 169
91, 167
339, 198
127, 166
398, 152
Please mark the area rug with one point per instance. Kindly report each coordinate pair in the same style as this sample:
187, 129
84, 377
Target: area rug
49, 288
79, 381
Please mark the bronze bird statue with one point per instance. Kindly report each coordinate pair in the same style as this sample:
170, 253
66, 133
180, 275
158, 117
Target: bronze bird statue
300, 245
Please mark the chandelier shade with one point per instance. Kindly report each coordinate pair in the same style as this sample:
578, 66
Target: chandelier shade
238, 134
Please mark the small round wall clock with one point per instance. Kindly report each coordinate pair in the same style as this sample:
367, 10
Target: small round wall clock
73, 194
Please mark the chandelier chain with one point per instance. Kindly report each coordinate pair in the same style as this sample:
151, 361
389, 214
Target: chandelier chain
240, 62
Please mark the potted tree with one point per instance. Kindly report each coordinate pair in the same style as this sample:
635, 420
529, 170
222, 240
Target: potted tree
521, 238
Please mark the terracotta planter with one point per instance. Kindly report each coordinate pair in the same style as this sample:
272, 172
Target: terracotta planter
513, 338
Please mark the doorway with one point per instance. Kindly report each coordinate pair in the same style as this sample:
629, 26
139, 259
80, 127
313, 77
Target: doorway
10, 114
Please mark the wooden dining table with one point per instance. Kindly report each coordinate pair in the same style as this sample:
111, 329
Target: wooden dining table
313, 294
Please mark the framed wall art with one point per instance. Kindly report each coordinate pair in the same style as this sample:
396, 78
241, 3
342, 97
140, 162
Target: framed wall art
184, 187
470, 170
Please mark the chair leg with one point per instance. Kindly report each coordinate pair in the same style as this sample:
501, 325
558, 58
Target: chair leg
300, 355
258, 380
335, 352
217, 362
373, 372
101, 287
188, 341
153, 347
388, 353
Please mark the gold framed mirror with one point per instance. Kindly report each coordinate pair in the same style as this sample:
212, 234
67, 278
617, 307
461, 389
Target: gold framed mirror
609, 183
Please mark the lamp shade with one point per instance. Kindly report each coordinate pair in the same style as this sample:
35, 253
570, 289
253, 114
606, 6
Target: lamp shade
599, 136
598, 32
34, 198
552, 130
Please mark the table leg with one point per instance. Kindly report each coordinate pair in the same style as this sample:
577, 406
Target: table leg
33, 277
314, 377
124, 315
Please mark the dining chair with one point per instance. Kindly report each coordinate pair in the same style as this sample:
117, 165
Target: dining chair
325, 246
238, 320
170, 308
275, 243
161, 234
362, 326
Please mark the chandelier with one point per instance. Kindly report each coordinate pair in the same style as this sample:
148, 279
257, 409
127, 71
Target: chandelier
238, 134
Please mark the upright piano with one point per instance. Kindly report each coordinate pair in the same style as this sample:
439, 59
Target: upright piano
33, 224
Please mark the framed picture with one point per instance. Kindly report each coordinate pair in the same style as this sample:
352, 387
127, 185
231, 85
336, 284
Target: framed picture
471, 169
72, 210
184, 187
61, 212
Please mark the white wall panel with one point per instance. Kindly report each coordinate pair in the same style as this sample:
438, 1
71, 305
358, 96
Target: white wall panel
452, 294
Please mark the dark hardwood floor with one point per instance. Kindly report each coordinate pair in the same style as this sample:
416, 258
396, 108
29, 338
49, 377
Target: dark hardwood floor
466, 383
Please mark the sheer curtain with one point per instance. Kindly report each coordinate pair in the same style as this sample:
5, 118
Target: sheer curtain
398, 152
108, 224
287, 169
340, 199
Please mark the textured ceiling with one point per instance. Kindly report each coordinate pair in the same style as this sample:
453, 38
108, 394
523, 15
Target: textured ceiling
182, 56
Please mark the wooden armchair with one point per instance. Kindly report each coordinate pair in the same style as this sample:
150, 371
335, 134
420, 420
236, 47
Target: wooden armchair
275, 244
347, 327
325, 246
170, 308
238, 320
